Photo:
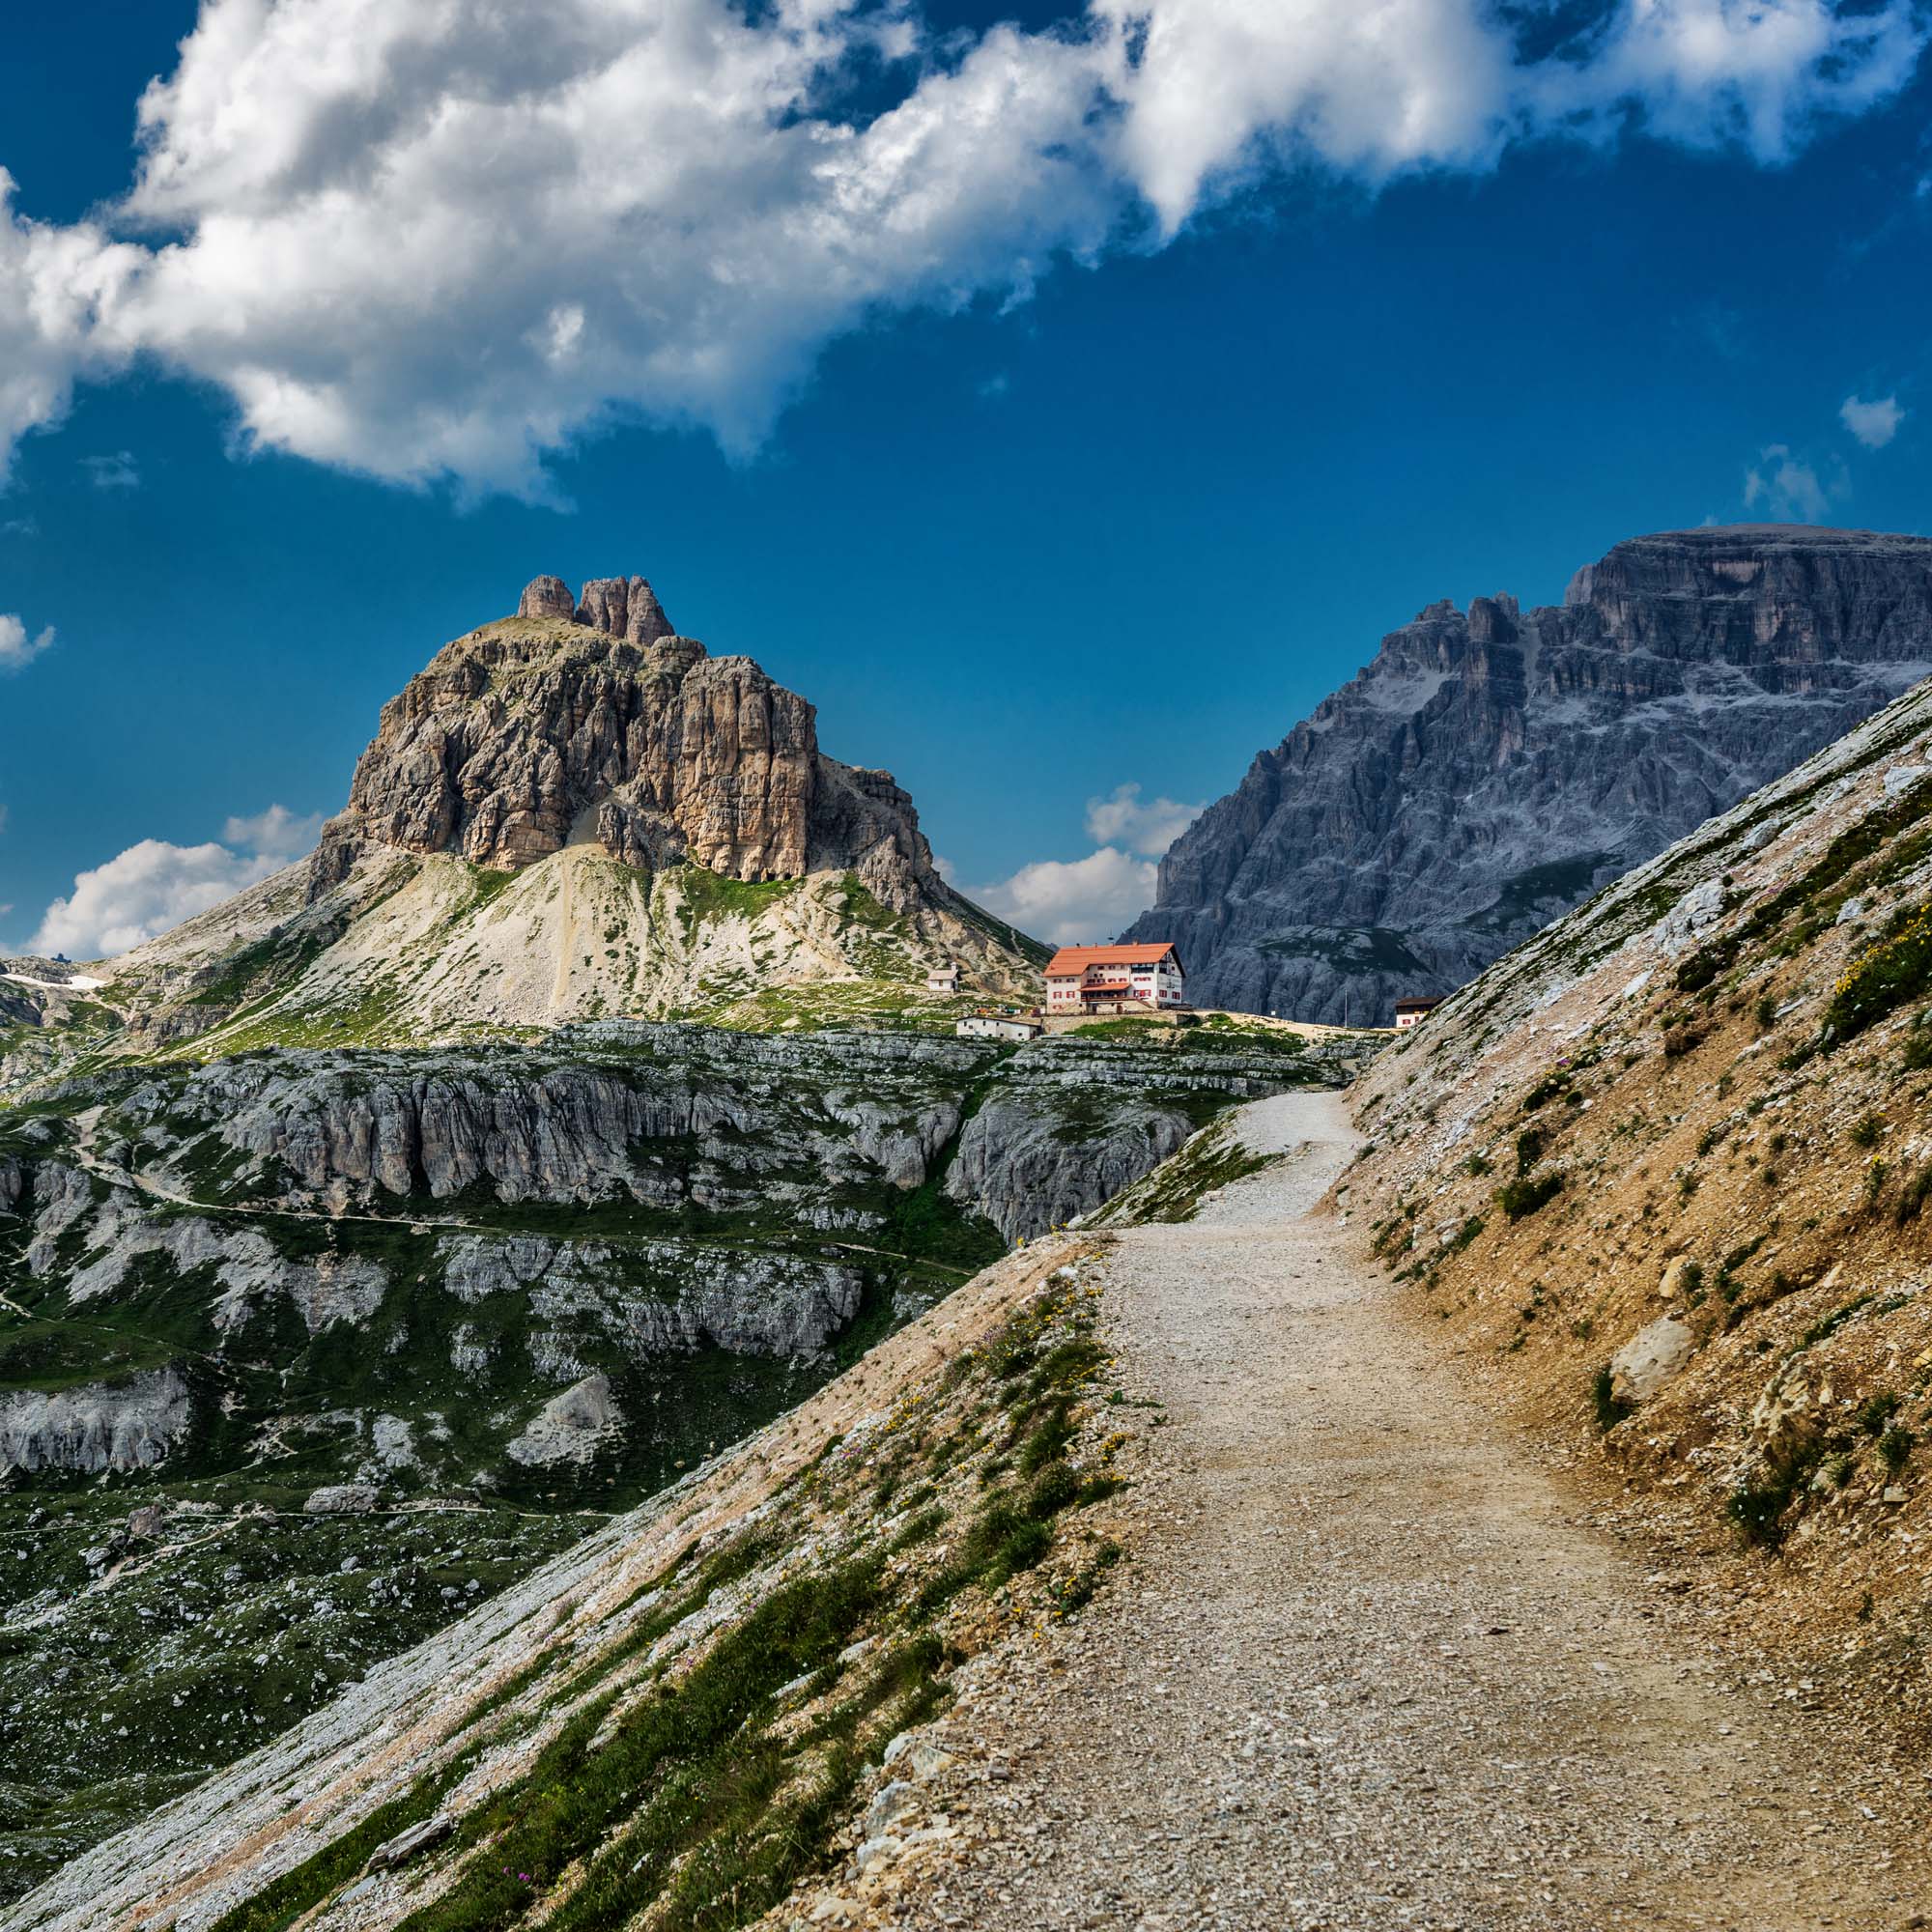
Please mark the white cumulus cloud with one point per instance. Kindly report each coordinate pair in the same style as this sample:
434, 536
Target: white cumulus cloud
18, 649
1873, 424
277, 834
154, 885
1148, 826
416, 239
1066, 901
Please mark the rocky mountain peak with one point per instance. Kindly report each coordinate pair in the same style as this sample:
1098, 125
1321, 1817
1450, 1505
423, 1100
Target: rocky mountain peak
519, 739
1489, 769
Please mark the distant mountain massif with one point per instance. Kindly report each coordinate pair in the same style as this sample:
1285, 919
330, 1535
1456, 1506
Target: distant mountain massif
1491, 768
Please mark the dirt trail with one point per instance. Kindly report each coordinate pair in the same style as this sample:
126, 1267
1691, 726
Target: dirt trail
1366, 1669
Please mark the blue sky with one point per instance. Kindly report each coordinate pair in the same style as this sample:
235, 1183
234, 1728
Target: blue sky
1090, 452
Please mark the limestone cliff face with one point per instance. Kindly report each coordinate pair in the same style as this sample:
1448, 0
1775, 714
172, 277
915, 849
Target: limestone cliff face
1491, 768
83, 1430
594, 724
507, 1224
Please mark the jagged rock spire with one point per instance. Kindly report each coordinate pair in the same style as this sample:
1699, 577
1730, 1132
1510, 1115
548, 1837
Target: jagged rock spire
617, 606
546, 597
623, 607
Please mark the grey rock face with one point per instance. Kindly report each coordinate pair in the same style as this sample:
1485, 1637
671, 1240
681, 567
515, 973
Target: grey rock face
341, 1499
62, 1195
773, 1121
658, 1297
1015, 1166
571, 1427
746, 1191
124, 1425
1071, 1123
247, 1266
1491, 768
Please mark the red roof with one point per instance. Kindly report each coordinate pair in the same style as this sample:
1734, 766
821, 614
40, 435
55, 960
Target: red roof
1077, 958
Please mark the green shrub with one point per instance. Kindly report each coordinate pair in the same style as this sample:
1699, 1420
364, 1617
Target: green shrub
1611, 1407
1884, 977
1052, 1491
1758, 1511
1865, 1130
1895, 1448
1875, 1411
1914, 1195
1049, 1440
1917, 1054
927, 1522
1546, 1089
1528, 1149
1518, 1197
1005, 1541
1077, 1592
1071, 1363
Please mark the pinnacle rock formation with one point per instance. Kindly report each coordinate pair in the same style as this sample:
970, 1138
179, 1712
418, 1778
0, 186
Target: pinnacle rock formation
1491, 768
623, 607
525, 737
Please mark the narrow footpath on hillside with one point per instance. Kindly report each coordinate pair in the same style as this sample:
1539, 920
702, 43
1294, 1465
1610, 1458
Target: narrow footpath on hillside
1366, 1668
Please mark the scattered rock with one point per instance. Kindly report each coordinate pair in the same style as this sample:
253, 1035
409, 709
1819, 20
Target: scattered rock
406, 1845
341, 1499
1650, 1358
569, 1428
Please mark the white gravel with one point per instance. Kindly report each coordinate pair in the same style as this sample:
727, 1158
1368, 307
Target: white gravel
1366, 1669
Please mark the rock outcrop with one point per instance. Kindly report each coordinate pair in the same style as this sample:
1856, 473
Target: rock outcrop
1491, 768
571, 1427
742, 1301
569, 814
591, 722
508, 1225
1072, 1122
96, 1426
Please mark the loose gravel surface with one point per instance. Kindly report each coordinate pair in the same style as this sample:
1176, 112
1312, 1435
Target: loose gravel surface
1366, 1668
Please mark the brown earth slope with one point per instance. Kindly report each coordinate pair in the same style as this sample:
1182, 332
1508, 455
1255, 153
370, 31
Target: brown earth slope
1661, 1176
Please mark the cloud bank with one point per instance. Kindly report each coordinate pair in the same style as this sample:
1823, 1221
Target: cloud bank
1068, 900
411, 238
153, 886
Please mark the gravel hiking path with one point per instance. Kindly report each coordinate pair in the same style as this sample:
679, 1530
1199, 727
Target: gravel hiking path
1365, 1668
